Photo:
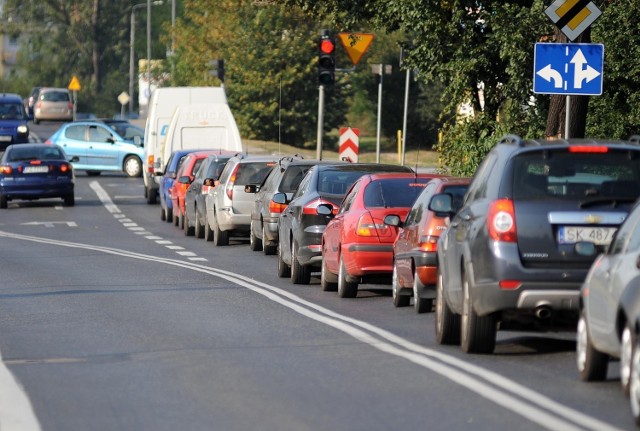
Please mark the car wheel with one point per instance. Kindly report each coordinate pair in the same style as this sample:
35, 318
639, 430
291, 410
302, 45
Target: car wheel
626, 356
181, 222
188, 229
93, 173
299, 274
4, 202
163, 214
284, 270
69, 200
399, 300
447, 322
478, 334
151, 195
208, 233
168, 214
592, 364
346, 289
255, 244
268, 249
198, 230
421, 305
133, 167
328, 280
176, 219
634, 384
220, 237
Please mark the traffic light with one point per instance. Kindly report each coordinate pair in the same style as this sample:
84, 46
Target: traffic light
326, 60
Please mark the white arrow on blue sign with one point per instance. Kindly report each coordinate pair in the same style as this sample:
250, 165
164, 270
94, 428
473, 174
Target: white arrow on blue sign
568, 68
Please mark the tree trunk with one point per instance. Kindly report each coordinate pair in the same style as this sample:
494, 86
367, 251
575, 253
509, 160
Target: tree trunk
95, 49
556, 117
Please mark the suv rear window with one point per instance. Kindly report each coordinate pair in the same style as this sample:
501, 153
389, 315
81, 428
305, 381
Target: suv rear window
55, 96
400, 192
561, 174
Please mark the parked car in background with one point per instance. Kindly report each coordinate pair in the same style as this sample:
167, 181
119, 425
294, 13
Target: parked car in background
604, 328
170, 174
195, 207
357, 247
414, 251
283, 178
184, 178
35, 171
13, 121
228, 206
300, 227
53, 104
99, 148
511, 255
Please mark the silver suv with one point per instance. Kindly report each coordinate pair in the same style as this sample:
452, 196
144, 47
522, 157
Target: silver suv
228, 205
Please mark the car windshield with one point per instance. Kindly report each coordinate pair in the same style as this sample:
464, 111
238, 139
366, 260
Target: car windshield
396, 192
561, 174
11, 111
35, 153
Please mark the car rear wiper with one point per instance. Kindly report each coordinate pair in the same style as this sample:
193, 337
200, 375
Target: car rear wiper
613, 201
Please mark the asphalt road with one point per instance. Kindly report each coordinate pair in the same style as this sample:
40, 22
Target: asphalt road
112, 319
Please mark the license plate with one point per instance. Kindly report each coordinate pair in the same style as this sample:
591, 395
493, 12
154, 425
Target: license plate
36, 169
596, 235
5, 138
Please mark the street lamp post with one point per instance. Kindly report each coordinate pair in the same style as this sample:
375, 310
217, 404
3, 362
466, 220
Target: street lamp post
131, 46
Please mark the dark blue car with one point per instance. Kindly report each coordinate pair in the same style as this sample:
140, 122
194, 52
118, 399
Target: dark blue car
35, 171
173, 165
13, 121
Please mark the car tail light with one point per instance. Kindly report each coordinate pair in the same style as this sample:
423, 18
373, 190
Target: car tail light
367, 227
6, 170
429, 243
35, 162
48, 142
509, 284
588, 149
65, 167
310, 208
276, 207
231, 182
150, 161
501, 221
71, 106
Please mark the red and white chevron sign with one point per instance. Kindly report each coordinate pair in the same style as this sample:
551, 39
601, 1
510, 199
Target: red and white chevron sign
349, 143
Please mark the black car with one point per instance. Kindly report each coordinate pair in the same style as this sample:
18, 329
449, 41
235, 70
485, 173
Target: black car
283, 178
194, 199
300, 227
535, 215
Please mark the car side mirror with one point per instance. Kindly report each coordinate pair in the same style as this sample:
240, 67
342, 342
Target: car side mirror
442, 205
74, 159
325, 210
393, 220
185, 180
280, 198
210, 182
137, 141
110, 140
251, 188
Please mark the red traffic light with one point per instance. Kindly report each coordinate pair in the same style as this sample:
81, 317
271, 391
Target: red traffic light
327, 46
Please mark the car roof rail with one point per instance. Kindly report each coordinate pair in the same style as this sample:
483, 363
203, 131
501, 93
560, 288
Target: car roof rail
634, 139
512, 140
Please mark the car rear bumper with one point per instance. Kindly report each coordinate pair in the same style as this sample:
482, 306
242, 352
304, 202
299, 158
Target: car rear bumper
228, 220
50, 189
366, 259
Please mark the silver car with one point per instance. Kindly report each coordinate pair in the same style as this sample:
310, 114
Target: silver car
228, 205
53, 104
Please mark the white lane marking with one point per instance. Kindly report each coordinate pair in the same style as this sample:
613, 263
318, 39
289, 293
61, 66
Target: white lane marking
142, 232
164, 241
153, 237
198, 259
492, 386
175, 247
186, 253
135, 228
16, 411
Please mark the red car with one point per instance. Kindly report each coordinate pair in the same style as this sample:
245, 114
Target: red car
184, 178
357, 247
414, 265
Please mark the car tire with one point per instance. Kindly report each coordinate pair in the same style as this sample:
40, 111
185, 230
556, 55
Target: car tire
634, 384
328, 280
447, 323
220, 237
132, 166
399, 300
255, 244
176, 219
299, 274
181, 222
198, 230
36, 121
346, 288
69, 200
163, 214
208, 233
626, 358
93, 173
284, 270
268, 249
168, 214
186, 225
4, 202
592, 364
151, 195
478, 333
421, 305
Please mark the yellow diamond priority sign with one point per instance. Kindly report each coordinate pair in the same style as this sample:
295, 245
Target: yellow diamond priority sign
74, 85
573, 16
356, 44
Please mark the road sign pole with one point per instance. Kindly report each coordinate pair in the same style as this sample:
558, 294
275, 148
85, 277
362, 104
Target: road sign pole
320, 122
379, 122
567, 117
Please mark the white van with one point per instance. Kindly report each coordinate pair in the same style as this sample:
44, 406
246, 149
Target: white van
206, 126
162, 105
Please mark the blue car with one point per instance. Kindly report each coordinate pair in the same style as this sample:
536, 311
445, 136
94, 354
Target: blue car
99, 148
35, 171
13, 121
169, 176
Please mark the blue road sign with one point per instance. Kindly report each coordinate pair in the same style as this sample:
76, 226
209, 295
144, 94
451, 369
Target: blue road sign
568, 68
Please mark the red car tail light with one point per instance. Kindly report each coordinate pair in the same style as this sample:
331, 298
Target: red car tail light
6, 170
48, 142
65, 167
588, 149
509, 284
231, 182
429, 243
35, 162
367, 227
310, 208
276, 207
501, 221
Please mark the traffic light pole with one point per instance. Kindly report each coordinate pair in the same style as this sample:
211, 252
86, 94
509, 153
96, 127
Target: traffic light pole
320, 122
